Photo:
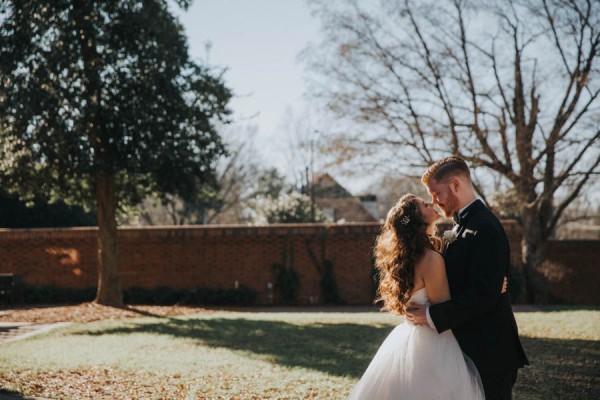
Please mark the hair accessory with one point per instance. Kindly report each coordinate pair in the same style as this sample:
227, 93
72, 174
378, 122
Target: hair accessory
405, 220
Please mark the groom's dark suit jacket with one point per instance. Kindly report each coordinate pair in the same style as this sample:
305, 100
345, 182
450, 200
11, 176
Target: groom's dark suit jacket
480, 317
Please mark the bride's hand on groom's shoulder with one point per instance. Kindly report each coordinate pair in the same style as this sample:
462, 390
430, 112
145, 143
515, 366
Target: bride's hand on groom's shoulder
504, 285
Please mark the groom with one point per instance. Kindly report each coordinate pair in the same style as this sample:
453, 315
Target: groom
477, 258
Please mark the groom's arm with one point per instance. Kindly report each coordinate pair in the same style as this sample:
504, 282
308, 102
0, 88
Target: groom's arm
487, 265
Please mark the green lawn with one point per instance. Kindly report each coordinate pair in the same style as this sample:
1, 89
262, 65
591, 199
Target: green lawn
269, 355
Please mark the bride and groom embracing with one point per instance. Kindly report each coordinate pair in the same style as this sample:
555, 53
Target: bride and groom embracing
460, 339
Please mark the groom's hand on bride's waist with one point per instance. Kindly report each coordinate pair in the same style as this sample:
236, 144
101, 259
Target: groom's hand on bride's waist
416, 314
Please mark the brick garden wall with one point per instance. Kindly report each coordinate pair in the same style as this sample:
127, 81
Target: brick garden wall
573, 271
188, 257
218, 256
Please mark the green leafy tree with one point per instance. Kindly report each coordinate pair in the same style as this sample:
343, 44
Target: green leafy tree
39, 213
101, 104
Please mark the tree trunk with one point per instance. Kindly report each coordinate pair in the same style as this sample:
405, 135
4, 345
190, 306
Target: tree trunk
534, 252
109, 287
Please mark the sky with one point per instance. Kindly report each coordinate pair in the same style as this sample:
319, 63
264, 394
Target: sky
258, 41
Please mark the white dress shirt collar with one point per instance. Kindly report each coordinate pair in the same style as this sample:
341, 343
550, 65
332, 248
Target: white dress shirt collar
465, 207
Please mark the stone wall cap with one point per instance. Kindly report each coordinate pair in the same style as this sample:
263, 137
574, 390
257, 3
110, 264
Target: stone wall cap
192, 230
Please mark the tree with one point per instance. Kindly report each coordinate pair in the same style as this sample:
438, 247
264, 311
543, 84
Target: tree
240, 177
37, 212
301, 146
287, 208
581, 220
389, 189
510, 85
100, 104
505, 204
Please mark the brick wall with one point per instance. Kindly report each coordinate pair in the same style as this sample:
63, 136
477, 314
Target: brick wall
573, 271
198, 256
218, 256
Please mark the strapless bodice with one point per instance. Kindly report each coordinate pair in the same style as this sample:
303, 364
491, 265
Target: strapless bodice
420, 297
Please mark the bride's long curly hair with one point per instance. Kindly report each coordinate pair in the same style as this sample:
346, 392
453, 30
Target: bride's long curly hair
400, 245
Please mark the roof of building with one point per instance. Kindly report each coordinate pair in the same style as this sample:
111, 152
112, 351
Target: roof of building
329, 188
329, 194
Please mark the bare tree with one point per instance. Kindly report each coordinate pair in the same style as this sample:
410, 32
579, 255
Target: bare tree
390, 188
302, 145
510, 85
240, 177
581, 220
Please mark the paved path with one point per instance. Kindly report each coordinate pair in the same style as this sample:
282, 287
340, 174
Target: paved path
12, 396
10, 331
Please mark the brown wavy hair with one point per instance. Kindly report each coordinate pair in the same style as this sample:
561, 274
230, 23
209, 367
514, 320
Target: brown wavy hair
400, 245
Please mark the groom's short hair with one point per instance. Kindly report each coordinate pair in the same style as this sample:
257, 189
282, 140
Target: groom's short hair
446, 168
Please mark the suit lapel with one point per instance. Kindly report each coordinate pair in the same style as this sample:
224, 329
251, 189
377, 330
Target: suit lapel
455, 229
460, 227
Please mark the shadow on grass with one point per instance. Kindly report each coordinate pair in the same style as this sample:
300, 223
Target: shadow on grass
560, 369
338, 349
560, 307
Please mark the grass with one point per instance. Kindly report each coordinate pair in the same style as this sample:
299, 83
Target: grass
270, 355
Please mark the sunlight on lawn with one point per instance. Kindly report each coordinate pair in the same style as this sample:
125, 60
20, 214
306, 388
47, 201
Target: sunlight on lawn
269, 355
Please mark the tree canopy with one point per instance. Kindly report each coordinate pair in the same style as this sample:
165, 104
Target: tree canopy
104, 87
39, 213
101, 104
511, 86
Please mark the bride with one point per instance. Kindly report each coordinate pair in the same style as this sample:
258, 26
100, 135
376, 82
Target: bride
415, 362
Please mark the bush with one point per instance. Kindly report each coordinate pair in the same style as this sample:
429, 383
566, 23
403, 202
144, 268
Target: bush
200, 296
29, 294
162, 295
517, 285
329, 287
40, 213
287, 282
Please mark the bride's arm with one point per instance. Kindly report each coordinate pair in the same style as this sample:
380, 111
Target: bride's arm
433, 272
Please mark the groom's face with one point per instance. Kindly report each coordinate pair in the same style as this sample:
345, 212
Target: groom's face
443, 197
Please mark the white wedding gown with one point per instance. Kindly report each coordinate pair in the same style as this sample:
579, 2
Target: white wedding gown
417, 363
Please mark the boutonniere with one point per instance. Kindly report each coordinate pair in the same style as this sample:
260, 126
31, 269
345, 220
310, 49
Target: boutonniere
468, 232
449, 236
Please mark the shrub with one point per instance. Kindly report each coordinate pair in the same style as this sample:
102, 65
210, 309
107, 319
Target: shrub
329, 287
287, 282
200, 296
30, 294
517, 287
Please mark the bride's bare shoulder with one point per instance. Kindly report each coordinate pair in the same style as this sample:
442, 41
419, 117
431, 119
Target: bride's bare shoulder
431, 260
434, 257
430, 267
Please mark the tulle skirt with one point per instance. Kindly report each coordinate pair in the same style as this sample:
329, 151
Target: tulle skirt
417, 363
